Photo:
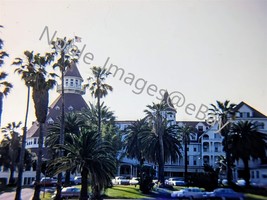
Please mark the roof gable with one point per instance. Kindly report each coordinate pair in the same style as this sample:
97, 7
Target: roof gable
244, 106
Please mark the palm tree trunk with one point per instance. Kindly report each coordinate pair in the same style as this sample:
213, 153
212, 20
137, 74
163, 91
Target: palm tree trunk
62, 124
161, 159
99, 115
22, 151
84, 189
185, 162
246, 172
228, 161
37, 190
1, 106
11, 174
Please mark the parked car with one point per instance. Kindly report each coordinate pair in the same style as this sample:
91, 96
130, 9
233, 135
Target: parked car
78, 180
134, 181
189, 193
175, 181
48, 182
120, 180
68, 192
225, 193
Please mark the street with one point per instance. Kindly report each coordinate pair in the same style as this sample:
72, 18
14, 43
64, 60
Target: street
26, 194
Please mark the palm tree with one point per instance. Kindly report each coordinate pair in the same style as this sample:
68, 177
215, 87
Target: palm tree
162, 140
94, 160
36, 76
246, 142
224, 111
99, 89
12, 141
73, 122
68, 54
26, 71
132, 145
184, 133
5, 86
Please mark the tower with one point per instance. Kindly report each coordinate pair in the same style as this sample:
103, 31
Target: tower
170, 113
74, 101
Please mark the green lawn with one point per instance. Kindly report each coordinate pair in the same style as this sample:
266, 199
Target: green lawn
125, 192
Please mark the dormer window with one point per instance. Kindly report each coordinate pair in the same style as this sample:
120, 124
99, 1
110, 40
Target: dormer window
57, 108
70, 108
200, 128
50, 121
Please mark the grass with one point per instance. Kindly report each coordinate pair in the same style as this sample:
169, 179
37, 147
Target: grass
125, 192
250, 196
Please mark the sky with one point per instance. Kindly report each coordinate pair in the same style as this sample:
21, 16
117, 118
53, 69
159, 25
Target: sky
199, 50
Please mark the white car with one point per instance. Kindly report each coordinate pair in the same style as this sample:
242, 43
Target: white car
78, 180
189, 193
134, 181
120, 180
175, 181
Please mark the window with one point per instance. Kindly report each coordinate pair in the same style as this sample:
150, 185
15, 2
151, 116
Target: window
195, 162
195, 149
187, 149
257, 174
252, 174
67, 82
71, 82
244, 114
200, 128
76, 83
35, 141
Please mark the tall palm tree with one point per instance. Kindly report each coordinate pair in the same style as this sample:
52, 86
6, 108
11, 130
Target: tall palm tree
184, 133
12, 140
247, 142
26, 71
68, 53
41, 82
5, 86
158, 124
224, 111
99, 88
94, 160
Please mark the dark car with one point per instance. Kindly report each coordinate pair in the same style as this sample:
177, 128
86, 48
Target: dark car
225, 193
68, 192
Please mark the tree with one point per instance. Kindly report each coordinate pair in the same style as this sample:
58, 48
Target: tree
162, 142
132, 144
34, 72
73, 122
5, 86
26, 71
12, 142
247, 142
109, 131
99, 89
224, 111
184, 133
68, 53
93, 160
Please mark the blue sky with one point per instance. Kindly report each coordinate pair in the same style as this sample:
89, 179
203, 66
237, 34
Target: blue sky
206, 50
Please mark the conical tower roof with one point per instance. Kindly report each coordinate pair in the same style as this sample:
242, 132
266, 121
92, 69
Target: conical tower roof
167, 100
73, 71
